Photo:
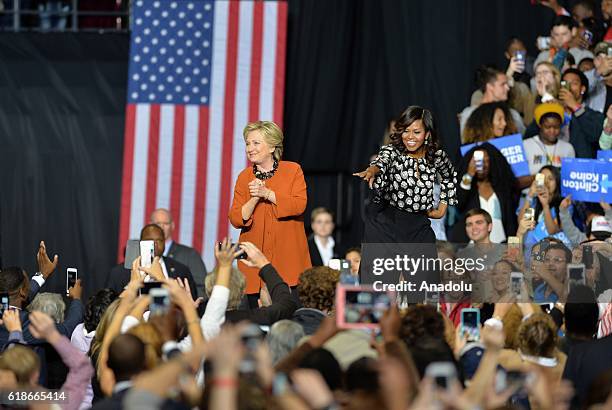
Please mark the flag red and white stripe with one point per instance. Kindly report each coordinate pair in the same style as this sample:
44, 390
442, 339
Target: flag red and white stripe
186, 157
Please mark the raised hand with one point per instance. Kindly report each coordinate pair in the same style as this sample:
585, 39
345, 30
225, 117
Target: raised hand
255, 258
76, 291
45, 265
155, 270
11, 320
368, 175
225, 253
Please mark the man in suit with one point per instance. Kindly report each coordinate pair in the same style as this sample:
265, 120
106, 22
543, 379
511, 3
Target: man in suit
163, 268
181, 253
321, 244
126, 359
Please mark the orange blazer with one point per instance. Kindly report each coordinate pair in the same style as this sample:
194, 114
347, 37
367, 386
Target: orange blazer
277, 230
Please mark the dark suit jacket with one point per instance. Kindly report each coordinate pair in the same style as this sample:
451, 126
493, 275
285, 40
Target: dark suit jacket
585, 362
119, 277
282, 307
315, 256
192, 259
115, 401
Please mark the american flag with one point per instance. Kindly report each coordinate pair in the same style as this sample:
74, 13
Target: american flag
199, 71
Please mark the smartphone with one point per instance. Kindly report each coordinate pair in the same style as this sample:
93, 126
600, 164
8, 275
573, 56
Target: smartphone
4, 303
132, 251
543, 43
588, 36
251, 338
148, 286
71, 278
344, 267
514, 247
529, 214
564, 84
361, 307
147, 253
160, 301
470, 321
479, 160
443, 374
547, 307
609, 51
575, 274
516, 283
519, 55
540, 179
243, 255
587, 256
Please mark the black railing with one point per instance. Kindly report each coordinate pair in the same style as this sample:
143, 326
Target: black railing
67, 15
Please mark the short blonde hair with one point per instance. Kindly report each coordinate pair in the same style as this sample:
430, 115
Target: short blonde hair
318, 211
272, 135
237, 284
22, 361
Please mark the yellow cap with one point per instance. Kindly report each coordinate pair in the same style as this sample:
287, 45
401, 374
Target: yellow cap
547, 108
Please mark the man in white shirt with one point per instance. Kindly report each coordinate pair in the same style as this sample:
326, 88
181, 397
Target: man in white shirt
321, 244
546, 148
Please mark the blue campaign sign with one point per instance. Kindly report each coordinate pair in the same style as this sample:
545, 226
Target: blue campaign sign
588, 180
511, 147
607, 155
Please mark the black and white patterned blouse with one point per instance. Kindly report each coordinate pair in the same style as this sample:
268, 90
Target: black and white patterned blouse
403, 187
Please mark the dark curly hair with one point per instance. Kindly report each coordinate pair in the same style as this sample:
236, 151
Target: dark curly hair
96, 306
479, 127
420, 321
317, 287
405, 119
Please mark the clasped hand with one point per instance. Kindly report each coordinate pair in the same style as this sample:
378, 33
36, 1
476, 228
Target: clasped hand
257, 189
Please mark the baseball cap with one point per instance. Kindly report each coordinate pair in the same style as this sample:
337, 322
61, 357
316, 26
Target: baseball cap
600, 224
601, 48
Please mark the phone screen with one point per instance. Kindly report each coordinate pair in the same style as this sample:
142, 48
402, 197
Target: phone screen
575, 273
147, 252
4, 302
470, 320
365, 306
71, 277
516, 285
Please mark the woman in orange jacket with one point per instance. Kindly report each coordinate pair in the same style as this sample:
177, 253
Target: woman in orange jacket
269, 204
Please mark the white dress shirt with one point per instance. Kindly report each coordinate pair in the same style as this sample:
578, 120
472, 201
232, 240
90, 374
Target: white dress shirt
326, 251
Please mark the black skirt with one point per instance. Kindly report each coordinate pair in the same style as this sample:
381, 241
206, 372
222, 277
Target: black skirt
386, 224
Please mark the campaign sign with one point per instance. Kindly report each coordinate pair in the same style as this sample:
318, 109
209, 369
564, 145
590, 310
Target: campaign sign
607, 155
511, 147
588, 180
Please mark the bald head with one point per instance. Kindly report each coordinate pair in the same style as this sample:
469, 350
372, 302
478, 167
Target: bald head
163, 218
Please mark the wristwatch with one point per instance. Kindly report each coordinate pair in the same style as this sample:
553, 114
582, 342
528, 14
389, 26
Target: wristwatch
466, 179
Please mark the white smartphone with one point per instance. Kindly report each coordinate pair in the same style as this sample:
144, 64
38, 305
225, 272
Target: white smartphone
443, 373
160, 301
147, 252
575, 275
516, 283
71, 278
479, 160
540, 179
529, 214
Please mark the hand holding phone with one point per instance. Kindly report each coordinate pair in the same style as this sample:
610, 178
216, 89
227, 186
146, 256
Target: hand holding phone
442, 373
4, 303
529, 214
479, 160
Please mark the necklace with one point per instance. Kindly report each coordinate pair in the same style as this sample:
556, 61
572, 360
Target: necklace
265, 175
